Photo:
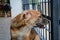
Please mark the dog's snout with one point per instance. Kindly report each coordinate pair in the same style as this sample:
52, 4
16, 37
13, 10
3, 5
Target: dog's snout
39, 25
40, 16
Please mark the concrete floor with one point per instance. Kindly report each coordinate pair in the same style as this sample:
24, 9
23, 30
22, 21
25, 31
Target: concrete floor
4, 28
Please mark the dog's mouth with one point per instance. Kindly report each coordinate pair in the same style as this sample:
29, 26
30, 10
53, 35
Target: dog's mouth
39, 25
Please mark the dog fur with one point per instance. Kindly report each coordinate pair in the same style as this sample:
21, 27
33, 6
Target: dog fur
22, 24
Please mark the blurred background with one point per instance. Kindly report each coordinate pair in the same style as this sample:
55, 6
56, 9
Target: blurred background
49, 9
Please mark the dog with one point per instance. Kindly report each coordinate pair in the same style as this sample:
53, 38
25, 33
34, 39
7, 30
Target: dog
22, 24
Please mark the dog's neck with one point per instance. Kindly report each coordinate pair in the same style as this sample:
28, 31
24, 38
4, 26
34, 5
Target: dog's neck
24, 31
26, 28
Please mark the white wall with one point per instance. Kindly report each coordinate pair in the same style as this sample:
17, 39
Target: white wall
16, 7
5, 22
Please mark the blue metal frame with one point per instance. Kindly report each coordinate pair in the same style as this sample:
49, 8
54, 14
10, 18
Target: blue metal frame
55, 21
25, 4
36, 29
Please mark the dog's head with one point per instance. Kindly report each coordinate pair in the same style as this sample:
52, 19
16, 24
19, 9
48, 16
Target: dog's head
27, 17
41, 22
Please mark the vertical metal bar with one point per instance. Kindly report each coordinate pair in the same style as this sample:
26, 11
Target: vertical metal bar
43, 33
46, 33
45, 15
40, 32
50, 30
49, 6
51, 19
55, 20
45, 7
42, 7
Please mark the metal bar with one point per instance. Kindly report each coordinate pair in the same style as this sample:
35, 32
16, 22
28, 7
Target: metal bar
49, 6
46, 34
45, 7
50, 31
59, 22
55, 22
42, 6
49, 14
43, 32
51, 19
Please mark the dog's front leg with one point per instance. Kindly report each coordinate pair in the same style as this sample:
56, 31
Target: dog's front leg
26, 37
37, 37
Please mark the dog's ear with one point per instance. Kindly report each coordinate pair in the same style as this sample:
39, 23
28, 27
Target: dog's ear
15, 20
26, 15
35, 13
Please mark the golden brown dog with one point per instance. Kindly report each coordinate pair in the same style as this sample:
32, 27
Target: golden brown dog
22, 24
